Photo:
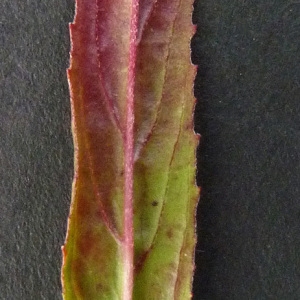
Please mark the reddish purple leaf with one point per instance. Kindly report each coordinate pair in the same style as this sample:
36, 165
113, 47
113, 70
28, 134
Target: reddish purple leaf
131, 226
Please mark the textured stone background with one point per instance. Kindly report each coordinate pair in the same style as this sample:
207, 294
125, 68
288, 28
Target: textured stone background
248, 114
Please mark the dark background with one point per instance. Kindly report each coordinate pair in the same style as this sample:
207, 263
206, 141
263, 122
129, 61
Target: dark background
248, 113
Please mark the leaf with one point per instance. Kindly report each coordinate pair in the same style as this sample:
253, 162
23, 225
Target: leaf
131, 225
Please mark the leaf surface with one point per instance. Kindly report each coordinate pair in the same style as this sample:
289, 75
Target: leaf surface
131, 225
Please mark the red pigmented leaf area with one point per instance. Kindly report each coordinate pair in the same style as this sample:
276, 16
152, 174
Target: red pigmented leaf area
131, 229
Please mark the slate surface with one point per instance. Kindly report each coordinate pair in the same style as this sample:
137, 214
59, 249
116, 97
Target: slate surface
248, 88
